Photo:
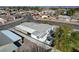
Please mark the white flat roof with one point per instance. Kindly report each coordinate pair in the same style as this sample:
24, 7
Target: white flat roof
25, 28
32, 27
37, 26
11, 35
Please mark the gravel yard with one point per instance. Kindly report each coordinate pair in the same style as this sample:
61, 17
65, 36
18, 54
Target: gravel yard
29, 46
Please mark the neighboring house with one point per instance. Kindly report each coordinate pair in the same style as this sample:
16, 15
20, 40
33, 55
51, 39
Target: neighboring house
44, 16
33, 11
9, 17
64, 18
48, 12
2, 11
8, 41
5, 19
2, 21
37, 31
76, 16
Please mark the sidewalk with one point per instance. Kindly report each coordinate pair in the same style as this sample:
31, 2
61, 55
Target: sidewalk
65, 22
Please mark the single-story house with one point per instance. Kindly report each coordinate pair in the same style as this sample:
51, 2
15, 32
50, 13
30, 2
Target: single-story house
76, 16
64, 18
35, 30
48, 12
44, 16
2, 21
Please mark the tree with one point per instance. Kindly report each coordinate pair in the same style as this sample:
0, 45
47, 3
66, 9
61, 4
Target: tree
63, 38
70, 11
75, 39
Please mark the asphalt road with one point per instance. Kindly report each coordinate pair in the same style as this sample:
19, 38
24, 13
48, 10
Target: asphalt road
30, 19
74, 26
16, 22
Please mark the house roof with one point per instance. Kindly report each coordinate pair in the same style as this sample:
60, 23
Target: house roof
14, 37
4, 39
36, 27
7, 37
49, 11
1, 19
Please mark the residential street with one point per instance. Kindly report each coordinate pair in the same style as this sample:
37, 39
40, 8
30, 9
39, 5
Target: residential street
30, 19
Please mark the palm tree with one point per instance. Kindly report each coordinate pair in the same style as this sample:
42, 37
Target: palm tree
63, 38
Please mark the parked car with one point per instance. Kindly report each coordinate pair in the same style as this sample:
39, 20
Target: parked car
49, 40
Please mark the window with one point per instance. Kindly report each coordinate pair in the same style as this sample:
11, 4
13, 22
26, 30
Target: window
48, 38
28, 33
17, 44
13, 51
37, 36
